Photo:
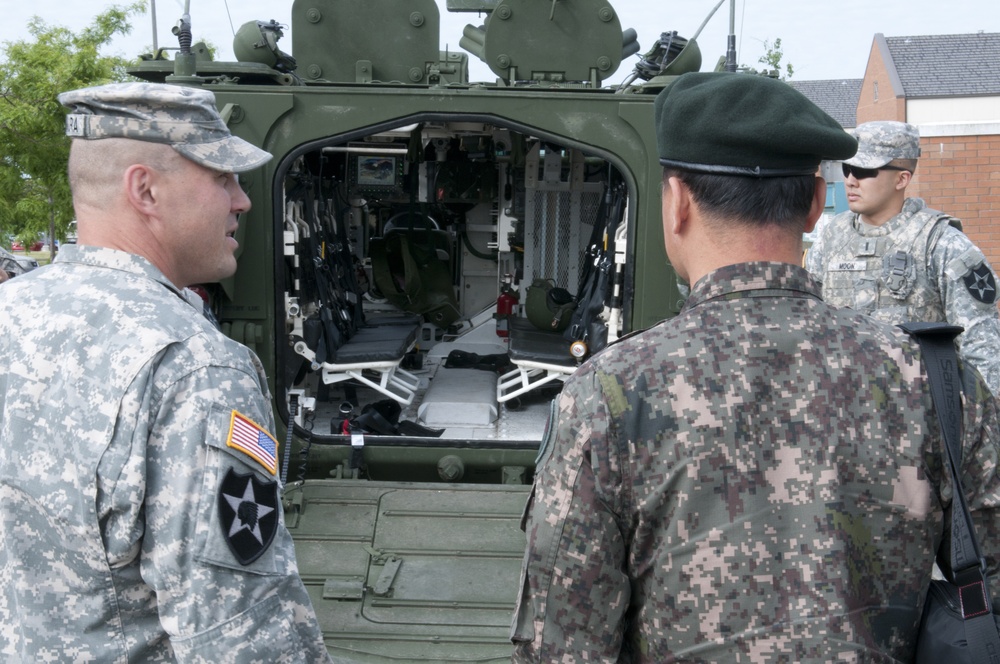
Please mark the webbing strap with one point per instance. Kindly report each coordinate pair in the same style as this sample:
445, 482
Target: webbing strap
966, 568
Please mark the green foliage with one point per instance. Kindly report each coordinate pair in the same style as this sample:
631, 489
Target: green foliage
772, 62
34, 191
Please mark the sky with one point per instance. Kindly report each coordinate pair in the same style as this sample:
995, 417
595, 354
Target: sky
829, 40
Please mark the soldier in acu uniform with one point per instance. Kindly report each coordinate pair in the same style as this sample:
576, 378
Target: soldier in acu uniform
140, 513
895, 259
759, 478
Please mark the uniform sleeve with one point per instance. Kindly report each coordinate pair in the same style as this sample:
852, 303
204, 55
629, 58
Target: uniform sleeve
216, 550
981, 470
968, 287
575, 588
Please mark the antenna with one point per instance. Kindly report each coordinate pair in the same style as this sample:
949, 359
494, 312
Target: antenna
185, 63
152, 11
731, 40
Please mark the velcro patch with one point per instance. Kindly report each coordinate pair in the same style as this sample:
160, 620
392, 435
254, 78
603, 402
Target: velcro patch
253, 440
76, 125
248, 511
973, 600
981, 283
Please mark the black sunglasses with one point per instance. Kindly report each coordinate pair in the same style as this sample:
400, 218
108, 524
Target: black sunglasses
865, 173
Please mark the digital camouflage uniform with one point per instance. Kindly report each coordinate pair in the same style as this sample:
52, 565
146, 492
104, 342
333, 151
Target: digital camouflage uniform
136, 526
140, 513
915, 267
755, 480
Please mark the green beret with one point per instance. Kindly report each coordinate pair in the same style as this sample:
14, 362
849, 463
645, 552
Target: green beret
742, 124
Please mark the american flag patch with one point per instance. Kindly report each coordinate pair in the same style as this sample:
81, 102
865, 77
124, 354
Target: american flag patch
248, 437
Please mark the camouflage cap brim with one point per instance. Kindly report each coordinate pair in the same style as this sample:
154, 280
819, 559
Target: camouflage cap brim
231, 154
868, 160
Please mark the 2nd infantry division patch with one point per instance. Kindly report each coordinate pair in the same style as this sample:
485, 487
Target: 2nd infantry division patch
250, 438
248, 511
981, 284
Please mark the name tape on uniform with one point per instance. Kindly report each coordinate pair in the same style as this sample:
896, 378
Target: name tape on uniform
76, 125
849, 266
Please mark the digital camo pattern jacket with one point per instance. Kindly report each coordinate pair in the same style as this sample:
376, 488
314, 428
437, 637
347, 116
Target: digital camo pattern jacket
140, 517
755, 480
914, 267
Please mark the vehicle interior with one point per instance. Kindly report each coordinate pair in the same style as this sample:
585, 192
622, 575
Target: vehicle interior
439, 280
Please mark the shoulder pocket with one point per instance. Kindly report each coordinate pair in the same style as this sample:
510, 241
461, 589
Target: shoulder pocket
239, 510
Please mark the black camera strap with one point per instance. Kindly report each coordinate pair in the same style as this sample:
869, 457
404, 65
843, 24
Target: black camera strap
966, 567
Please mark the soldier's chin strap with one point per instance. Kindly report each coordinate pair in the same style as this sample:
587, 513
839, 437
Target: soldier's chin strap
965, 567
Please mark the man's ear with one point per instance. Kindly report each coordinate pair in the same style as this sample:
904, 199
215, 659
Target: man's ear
903, 179
677, 207
817, 206
139, 187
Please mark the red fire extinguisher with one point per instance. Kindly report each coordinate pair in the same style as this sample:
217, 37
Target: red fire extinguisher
505, 309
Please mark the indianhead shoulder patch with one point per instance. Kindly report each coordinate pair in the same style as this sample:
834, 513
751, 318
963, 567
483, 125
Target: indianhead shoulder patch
253, 440
248, 511
981, 283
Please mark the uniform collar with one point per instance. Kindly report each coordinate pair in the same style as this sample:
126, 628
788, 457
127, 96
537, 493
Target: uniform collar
113, 259
911, 206
743, 279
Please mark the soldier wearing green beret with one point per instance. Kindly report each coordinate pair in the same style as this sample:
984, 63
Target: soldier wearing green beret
757, 479
892, 257
141, 516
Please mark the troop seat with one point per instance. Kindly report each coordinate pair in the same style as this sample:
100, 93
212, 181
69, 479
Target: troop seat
379, 351
539, 358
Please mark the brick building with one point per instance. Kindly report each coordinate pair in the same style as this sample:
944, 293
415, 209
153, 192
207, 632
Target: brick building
949, 87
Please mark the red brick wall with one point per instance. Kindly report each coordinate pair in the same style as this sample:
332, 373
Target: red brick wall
961, 176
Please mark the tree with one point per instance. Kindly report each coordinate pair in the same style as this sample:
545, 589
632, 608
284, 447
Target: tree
772, 61
34, 190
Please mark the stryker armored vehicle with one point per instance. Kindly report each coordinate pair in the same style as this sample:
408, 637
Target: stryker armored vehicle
427, 259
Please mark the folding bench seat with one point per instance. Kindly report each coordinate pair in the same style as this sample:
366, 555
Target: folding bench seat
379, 350
539, 358
348, 354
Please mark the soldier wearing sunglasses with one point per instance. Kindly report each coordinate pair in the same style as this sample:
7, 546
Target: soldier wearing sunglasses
897, 260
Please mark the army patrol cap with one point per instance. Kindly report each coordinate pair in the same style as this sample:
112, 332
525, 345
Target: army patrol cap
182, 117
742, 124
882, 141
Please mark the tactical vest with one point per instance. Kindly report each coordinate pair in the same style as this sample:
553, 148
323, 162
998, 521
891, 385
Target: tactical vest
883, 272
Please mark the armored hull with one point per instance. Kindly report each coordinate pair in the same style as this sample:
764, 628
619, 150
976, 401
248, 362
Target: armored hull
401, 203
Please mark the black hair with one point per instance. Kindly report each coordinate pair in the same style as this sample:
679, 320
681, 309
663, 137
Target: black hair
906, 164
752, 201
